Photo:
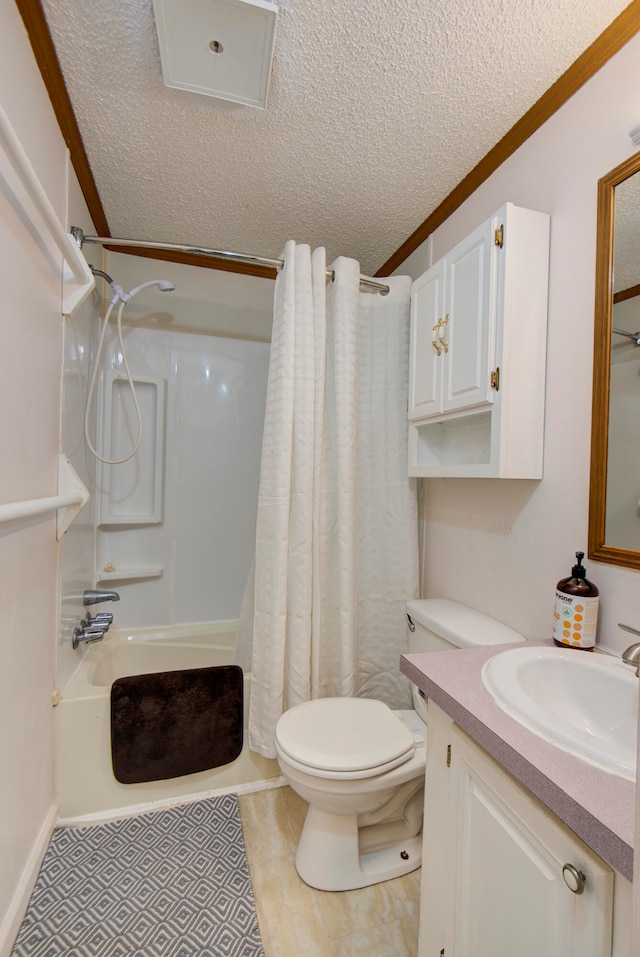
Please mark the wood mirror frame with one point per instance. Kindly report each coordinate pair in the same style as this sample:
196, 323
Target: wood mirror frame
598, 549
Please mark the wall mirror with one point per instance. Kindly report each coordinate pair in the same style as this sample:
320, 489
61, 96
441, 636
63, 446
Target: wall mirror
614, 497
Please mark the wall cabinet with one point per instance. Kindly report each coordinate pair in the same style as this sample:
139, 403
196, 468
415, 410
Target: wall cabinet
492, 879
478, 353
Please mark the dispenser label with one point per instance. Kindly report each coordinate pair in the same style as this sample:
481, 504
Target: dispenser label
575, 620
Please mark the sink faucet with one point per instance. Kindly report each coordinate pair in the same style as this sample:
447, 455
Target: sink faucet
631, 655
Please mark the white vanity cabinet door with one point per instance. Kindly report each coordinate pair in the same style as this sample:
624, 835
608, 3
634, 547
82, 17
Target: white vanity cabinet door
469, 321
492, 872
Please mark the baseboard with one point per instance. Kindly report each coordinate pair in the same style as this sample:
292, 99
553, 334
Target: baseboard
17, 908
133, 810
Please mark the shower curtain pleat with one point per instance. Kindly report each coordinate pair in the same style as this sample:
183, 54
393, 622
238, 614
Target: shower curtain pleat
336, 533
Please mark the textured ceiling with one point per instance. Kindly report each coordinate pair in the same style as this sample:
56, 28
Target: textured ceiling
377, 110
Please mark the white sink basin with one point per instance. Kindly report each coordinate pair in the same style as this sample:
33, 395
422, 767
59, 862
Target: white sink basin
585, 704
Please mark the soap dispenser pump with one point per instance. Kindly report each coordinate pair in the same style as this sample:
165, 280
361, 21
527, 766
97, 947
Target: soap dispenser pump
575, 615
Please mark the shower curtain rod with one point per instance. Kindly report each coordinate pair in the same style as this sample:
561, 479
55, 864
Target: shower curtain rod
366, 284
635, 336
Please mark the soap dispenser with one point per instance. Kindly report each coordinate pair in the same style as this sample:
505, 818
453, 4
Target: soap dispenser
575, 615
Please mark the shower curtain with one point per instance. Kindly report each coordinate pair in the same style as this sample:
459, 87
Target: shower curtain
336, 534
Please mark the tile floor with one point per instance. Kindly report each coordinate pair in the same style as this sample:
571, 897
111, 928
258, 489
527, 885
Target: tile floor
296, 919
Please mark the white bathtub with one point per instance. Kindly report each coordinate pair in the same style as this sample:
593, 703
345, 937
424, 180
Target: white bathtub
84, 779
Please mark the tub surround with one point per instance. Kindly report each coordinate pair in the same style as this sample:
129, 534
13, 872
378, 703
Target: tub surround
598, 806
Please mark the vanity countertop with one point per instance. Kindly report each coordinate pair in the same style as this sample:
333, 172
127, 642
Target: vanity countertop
598, 806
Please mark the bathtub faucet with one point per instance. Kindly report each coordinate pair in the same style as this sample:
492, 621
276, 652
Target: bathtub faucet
97, 595
92, 629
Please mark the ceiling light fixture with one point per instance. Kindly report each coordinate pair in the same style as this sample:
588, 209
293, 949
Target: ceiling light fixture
221, 48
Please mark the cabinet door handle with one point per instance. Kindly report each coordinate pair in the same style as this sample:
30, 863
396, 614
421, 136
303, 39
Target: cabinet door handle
573, 878
435, 332
440, 337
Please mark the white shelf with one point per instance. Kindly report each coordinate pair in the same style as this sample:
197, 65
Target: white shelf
130, 574
458, 446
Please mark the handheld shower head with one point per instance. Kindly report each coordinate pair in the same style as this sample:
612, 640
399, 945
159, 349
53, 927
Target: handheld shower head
163, 284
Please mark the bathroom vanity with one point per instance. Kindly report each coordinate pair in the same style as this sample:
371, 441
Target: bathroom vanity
527, 849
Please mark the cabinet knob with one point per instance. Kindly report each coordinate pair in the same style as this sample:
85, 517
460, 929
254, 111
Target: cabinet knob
573, 878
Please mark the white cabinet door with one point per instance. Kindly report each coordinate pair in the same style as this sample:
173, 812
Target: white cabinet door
453, 314
470, 317
425, 384
493, 882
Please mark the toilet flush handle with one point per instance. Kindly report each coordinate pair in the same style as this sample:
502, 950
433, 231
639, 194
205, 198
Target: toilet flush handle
411, 623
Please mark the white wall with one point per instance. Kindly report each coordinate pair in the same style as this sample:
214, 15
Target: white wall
31, 336
502, 545
215, 398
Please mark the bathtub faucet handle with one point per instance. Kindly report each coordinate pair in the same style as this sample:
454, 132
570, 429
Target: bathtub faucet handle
93, 596
88, 635
102, 620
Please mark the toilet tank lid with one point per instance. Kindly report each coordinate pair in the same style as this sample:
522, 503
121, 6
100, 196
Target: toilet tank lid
464, 627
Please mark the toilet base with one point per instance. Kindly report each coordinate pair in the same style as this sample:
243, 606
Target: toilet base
329, 857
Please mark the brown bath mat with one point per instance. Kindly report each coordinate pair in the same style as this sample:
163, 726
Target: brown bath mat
175, 722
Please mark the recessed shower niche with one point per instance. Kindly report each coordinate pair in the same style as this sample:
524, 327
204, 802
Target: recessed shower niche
130, 493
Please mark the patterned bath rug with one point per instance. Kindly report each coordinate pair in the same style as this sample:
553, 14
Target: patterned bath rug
171, 883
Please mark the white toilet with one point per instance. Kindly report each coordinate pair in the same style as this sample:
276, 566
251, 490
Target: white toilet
360, 765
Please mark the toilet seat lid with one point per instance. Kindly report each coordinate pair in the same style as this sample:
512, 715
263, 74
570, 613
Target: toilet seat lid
344, 735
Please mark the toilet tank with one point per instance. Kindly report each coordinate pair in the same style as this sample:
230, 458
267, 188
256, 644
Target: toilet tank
439, 624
